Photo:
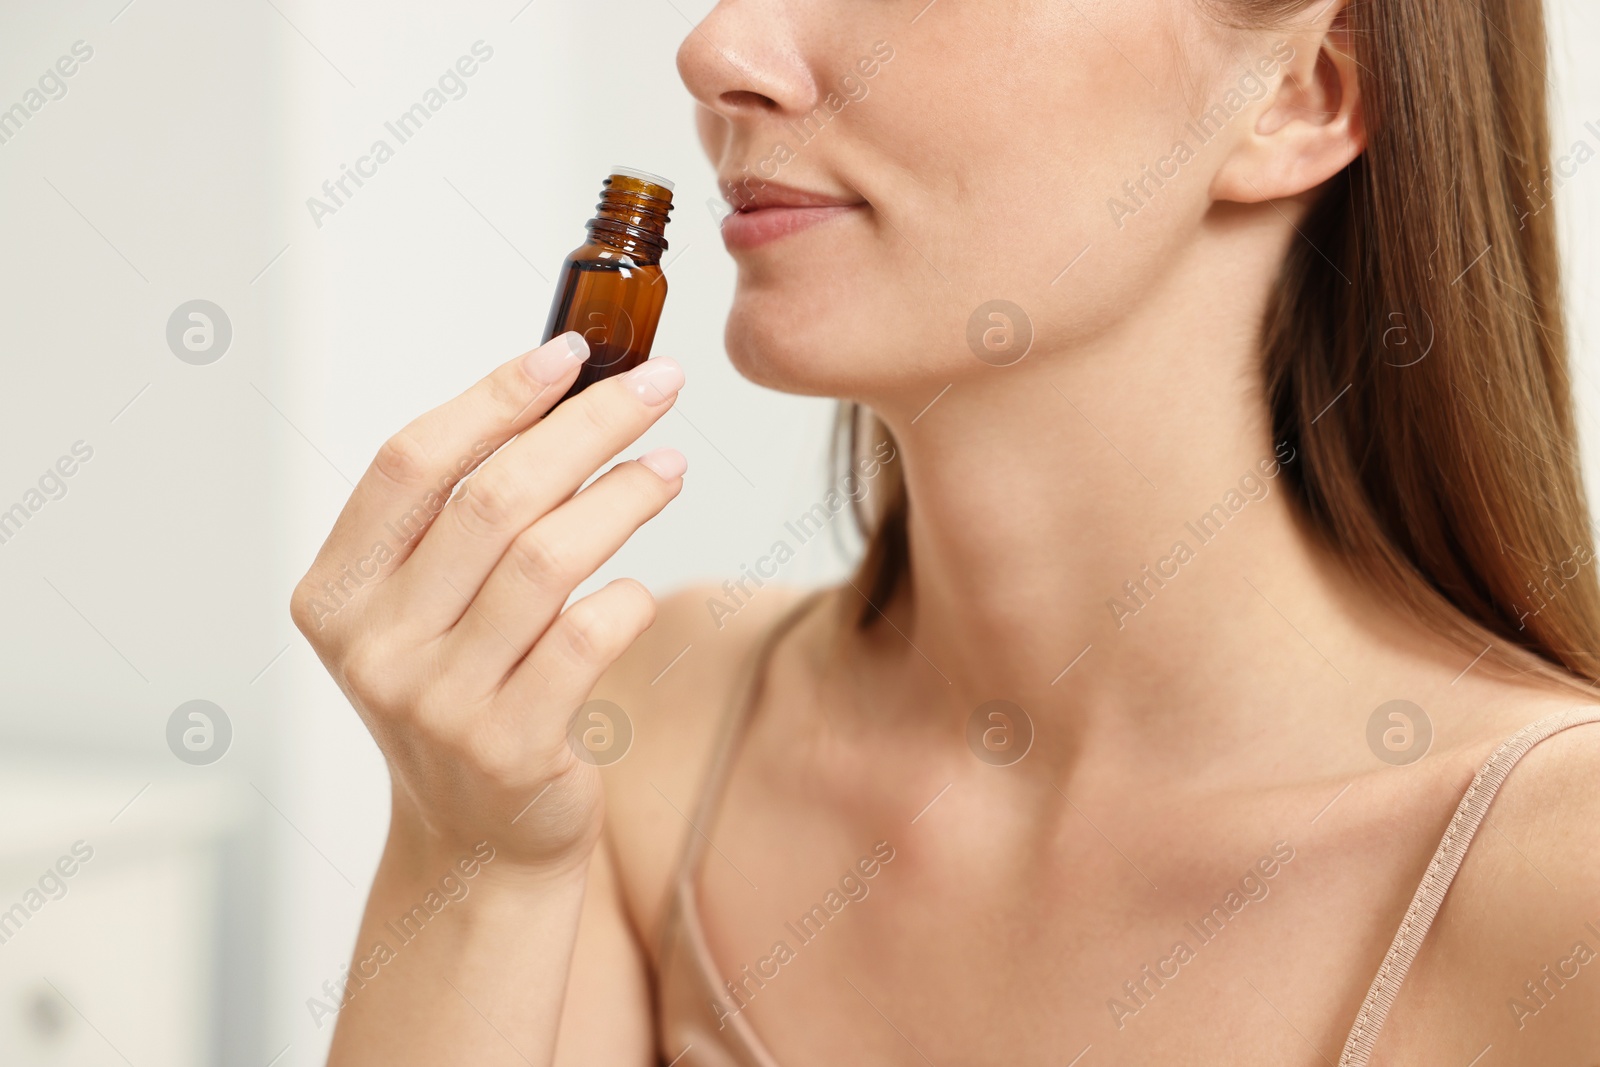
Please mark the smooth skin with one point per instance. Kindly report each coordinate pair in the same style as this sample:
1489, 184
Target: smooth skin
1228, 715
463, 664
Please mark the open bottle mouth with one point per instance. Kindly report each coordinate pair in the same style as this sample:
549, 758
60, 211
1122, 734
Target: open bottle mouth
642, 175
634, 206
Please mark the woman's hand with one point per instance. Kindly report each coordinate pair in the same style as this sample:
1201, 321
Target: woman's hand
443, 622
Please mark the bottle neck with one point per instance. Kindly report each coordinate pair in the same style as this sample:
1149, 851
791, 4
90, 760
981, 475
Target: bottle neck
632, 218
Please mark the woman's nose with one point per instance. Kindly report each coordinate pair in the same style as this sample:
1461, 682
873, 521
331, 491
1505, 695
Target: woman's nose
744, 60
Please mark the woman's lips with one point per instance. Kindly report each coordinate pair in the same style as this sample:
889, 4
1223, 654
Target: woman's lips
752, 229
773, 211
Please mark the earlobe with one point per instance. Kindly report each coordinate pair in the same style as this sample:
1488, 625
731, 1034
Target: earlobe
1312, 126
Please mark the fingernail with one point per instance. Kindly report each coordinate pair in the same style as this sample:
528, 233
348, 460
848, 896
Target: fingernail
668, 463
550, 362
655, 381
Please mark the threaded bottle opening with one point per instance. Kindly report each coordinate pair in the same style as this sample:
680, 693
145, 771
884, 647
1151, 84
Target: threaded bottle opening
632, 212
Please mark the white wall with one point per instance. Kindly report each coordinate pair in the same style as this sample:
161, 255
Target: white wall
153, 581
178, 167
1574, 29
430, 276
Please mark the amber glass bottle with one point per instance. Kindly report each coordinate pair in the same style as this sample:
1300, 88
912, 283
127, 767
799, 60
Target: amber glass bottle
611, 288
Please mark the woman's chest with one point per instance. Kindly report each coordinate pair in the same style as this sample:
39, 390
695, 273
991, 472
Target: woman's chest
952, 943
855, 910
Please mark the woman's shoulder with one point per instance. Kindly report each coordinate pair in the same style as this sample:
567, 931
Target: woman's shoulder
674, 688
1514, 955
1540, 840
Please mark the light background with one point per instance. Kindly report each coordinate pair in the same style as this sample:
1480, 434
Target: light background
177, 167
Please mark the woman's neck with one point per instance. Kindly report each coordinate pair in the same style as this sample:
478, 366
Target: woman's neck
1111, 527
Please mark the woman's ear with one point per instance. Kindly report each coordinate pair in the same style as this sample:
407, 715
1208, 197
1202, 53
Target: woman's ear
1311, 128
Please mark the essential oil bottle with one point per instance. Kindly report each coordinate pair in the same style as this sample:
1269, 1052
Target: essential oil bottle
611, 288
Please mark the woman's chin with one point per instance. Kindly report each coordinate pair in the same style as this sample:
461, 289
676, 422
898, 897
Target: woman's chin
822, 349
782, 368
795, 358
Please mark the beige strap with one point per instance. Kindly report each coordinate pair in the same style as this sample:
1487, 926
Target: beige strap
743, 699
682, 930
1470, 813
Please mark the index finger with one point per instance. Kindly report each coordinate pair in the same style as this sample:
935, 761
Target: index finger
415, 471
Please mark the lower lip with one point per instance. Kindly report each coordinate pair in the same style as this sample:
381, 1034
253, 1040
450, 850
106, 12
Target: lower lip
752, 229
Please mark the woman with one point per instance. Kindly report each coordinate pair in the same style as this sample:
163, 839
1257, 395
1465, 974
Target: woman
1208, 397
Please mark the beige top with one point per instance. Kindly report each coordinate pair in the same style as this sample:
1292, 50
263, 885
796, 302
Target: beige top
689, 1027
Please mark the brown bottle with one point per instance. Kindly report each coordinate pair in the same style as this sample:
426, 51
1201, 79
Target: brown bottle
611, 289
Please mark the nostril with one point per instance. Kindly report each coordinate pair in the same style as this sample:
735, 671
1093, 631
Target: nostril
740, 99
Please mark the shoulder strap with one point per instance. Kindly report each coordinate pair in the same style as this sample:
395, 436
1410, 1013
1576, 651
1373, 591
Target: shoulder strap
741, 701
1470, 813
685, 952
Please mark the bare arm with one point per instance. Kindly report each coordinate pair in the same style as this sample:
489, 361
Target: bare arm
445, 625
481, 982
608, 1016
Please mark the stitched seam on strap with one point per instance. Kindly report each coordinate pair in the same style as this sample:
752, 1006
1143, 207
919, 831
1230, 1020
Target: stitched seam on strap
1446, 862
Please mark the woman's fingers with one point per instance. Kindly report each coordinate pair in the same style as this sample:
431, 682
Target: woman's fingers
523, 482
563, 667
416, 470
537, 573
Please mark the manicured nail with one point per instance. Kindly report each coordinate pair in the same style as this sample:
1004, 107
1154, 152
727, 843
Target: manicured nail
655, 381
550, 362
669, 463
